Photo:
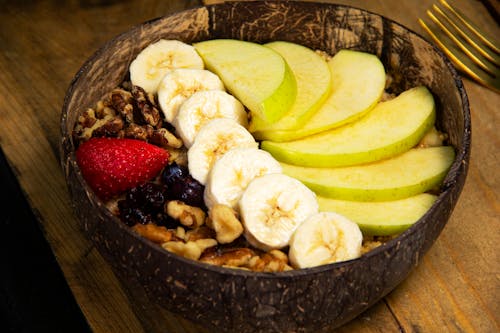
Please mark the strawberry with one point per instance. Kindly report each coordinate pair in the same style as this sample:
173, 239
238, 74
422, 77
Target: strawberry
111, 166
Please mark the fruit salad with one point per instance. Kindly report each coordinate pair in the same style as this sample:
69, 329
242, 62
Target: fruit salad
262, 157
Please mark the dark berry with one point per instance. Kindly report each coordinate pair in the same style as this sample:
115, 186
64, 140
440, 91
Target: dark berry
165, 220
193, 192
148, 196
173, 174
181, 186
188, 190
133, 215
142, 204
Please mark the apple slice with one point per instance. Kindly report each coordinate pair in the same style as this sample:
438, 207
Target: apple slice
358, 82
415, 171
257, 75
389, 129
313, 86
381, 218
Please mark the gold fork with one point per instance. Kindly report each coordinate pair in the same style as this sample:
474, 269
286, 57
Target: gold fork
470, 49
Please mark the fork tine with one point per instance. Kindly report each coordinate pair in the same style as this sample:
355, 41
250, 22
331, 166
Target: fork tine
461, 60
471, 39
487, 40
461, 45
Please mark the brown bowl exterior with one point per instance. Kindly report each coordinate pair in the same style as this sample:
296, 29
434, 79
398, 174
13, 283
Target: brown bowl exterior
302, 300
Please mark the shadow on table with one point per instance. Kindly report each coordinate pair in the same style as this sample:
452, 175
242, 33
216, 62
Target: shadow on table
34, 296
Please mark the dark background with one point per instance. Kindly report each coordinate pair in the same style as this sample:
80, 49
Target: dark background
34, 296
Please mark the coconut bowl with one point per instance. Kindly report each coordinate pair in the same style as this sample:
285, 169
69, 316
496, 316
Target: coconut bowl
306, 300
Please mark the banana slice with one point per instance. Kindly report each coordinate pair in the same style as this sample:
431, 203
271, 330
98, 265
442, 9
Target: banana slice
232, 173
203, 106
272, 207
325, 238
179, 84
156, 60
213, 140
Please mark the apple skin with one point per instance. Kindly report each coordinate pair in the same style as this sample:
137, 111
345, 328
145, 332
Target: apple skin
281, 100
383, 218
391, 128
313, 78
358, 82
415, 171
256, 75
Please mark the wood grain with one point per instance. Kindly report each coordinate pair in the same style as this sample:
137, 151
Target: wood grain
455, 288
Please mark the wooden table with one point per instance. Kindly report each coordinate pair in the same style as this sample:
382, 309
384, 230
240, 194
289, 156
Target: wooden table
456, 287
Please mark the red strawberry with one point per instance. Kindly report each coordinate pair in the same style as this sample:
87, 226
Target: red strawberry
111, 166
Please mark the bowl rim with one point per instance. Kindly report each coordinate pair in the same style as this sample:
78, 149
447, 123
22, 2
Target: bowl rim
461, 157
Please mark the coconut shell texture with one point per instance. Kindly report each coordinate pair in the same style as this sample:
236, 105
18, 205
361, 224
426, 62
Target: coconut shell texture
307, 300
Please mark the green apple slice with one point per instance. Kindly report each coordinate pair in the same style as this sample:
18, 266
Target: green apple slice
391, 128
381, 218
313, 78
257, 75
358, 82
415, 171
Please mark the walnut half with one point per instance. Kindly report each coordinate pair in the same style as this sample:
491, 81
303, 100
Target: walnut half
223, 219
245, 258
272, 261
187, 215
154, 233
190, 249
231, 257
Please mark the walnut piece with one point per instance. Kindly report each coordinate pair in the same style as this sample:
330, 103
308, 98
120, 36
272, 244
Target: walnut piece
164, 138
224, 220
180, 233
110, 126
104, 108
369, 245
88, 118
122, 101
190, 249
145, 104
246, 258
138, 132
94, 123
130, 114
231, 257
372, 242
179, 156
187, 215
154, 233
272, 261
199, 233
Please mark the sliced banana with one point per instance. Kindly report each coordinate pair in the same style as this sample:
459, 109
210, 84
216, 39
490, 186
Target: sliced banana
157, 59
272, 207
213, 140
179, 84
203, 106
325, 238
232, 173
